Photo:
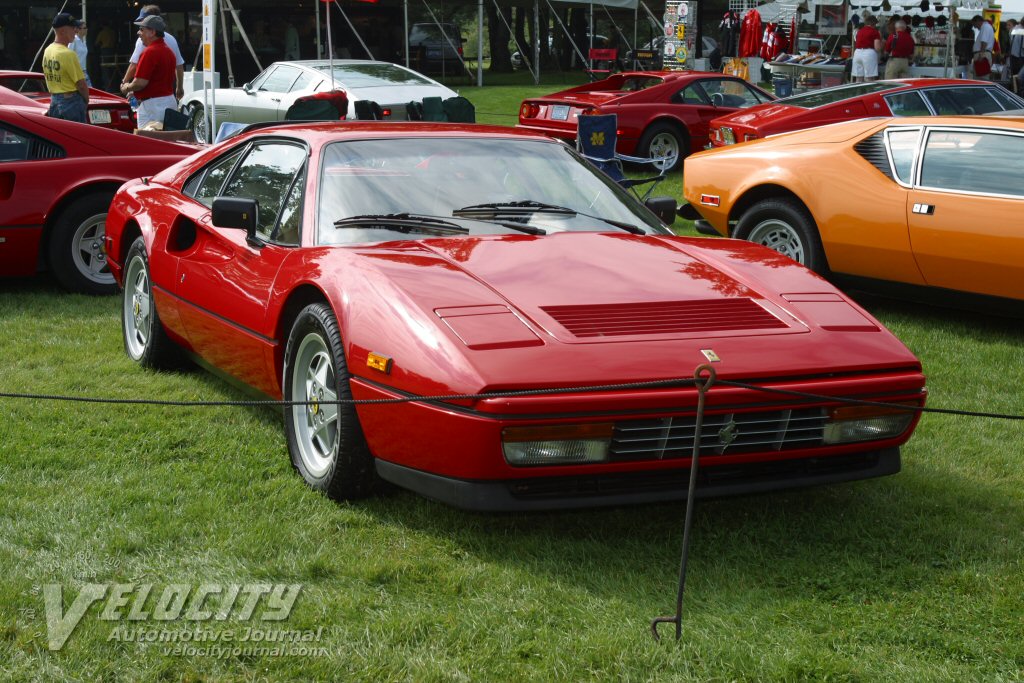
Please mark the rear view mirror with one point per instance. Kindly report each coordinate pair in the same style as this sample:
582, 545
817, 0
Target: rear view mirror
662, 207
236, 212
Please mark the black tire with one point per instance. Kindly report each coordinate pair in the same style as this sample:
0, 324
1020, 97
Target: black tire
325, 441
198, 124
787, 227
664, 140
145, 340
75, 246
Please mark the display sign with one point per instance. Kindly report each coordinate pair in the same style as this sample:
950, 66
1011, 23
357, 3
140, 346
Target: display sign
679, 34
208, 35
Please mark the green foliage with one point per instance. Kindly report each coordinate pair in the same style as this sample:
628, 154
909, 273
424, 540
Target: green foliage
914, 577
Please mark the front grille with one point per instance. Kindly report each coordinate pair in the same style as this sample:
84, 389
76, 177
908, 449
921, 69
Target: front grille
663, 317
730, 433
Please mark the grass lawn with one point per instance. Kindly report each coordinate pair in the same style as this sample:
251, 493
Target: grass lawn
915, 577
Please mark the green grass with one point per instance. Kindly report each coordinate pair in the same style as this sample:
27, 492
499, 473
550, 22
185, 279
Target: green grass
916, 577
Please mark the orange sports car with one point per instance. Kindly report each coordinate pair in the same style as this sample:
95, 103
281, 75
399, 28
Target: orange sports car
934, 202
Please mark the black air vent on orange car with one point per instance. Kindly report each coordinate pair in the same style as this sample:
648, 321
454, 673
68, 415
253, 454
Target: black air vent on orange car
664, 317
873, 150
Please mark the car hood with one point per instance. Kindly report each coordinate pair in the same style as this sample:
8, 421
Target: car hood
503, 311
761, 114
595, 98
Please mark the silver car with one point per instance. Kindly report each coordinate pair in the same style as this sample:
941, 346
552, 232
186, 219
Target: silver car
269, 96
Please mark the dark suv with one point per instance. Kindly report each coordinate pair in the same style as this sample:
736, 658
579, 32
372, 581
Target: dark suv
435, 47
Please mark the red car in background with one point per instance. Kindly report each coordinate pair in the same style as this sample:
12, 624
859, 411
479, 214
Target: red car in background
56, 181
903, 97
662, 114
104, 109
321, 262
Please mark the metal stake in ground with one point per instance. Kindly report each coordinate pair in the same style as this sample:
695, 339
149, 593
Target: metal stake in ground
704, 377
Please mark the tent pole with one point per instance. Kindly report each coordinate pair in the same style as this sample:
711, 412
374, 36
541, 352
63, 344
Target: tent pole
405, 17
480, 43
319, 46
536, 42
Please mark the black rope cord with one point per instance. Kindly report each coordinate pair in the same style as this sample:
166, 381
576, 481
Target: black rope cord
653, 384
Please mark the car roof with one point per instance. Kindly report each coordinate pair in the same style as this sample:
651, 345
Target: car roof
354, 130
20, 74
976, 120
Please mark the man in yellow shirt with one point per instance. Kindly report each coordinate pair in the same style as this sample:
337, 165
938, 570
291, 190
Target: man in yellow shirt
65, 80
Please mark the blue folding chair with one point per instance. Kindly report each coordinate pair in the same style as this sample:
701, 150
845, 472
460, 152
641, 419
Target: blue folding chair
595, 140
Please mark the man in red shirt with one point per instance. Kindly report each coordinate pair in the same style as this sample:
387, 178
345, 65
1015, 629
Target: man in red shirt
155, 77
900, 48
867, 45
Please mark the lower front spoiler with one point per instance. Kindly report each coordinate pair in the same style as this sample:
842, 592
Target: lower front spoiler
563, 493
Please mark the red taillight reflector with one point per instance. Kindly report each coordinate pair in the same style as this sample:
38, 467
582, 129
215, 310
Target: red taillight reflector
529, 110
386, 112
710, 200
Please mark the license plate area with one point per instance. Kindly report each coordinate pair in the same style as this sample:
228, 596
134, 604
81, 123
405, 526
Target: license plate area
99, 116
560, 112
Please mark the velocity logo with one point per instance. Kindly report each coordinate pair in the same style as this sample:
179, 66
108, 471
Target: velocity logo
144, 602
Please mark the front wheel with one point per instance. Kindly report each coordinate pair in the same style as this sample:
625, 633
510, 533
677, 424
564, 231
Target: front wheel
325, 439
665, 142
198, 123
145, 340
785, 226
76, 254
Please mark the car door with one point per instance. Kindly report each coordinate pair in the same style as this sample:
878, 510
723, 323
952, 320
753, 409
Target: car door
710, 98
262, 98
224, 280
27, 167
965, 210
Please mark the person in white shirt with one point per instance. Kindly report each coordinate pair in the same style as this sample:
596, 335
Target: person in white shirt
984, 39
79, 47
169, 39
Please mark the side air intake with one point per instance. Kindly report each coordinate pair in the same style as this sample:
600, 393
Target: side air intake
873, 151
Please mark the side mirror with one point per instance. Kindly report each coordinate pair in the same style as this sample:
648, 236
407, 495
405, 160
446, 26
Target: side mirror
663, 207
247, 87
237, 212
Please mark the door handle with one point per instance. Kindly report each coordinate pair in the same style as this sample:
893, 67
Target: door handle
924, 209
276, 99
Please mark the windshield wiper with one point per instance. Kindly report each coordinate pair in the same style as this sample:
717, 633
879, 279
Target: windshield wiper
402, 222
519, 207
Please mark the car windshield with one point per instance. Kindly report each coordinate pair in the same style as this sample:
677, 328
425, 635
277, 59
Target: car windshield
26, 86
542, 186
373, 74
819, 98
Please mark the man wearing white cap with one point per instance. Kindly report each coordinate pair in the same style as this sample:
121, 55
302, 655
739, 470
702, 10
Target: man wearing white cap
154, 80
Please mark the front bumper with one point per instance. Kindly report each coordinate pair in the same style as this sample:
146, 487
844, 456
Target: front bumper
632, 488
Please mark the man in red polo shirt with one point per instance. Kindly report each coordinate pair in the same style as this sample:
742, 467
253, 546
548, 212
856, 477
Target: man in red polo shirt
155, 77
900, 48
867, 45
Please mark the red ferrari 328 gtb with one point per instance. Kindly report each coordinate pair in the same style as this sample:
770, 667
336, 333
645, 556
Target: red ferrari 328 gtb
321, 262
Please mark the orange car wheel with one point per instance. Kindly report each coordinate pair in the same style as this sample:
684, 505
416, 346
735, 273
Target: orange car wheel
785, 226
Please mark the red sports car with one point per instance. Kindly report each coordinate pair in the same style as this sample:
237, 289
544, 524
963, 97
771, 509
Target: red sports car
905, 97
104, 109
662, 114
322, 262
56, 180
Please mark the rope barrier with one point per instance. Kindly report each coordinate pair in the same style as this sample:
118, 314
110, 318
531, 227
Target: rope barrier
653, 384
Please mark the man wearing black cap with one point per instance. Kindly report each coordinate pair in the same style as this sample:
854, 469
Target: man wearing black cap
154, 80
172, 43
64, 77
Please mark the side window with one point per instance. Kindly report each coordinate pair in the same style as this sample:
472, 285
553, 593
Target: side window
959, 101
304, 81
726, 92
287, 231
266, 175
205, 187
18, 146
258, 82
903, 150
691, 94
1005, 99
280, 80
963, 161
909, 103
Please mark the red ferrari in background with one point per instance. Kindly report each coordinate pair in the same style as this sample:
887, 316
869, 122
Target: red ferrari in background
661, 114
56, 181
104, 109
322, 262
904, 97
